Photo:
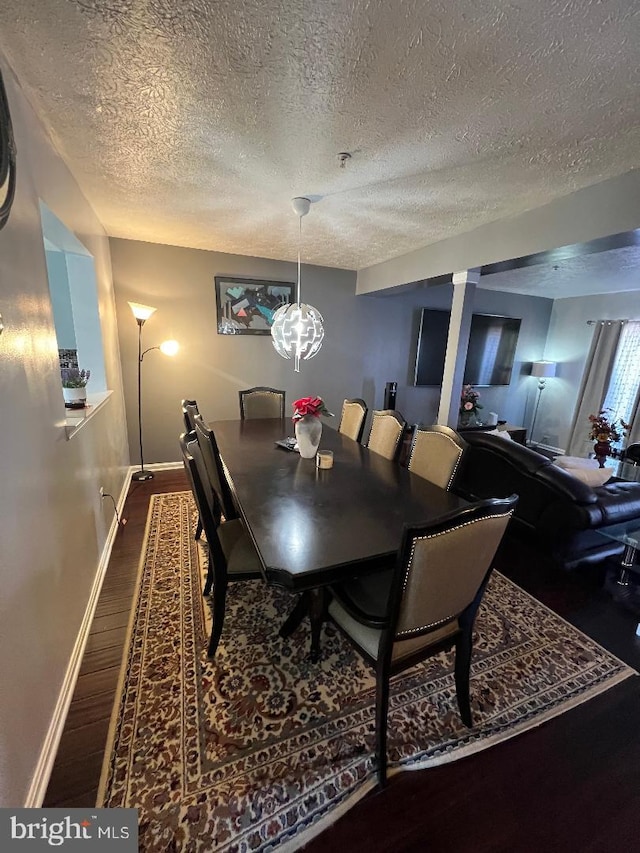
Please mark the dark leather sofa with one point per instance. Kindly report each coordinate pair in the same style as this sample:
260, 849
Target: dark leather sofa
560, 512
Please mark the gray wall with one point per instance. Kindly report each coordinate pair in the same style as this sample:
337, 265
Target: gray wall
568, 344
53, 524
392, 357
369, 340
212, 368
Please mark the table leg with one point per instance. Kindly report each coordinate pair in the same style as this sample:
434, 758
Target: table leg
313, 602
626, 565
296, 616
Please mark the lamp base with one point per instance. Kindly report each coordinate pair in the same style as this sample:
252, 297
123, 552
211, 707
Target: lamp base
142, 475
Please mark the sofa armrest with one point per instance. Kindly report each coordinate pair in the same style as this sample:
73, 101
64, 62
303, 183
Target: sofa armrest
567, 485
619, 501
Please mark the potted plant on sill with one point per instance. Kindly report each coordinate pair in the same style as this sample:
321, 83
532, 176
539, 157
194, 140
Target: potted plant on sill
74, 384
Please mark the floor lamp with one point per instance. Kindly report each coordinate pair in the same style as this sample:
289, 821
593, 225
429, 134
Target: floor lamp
142, 314
543, 370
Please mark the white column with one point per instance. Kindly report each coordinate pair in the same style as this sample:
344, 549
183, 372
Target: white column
464, 288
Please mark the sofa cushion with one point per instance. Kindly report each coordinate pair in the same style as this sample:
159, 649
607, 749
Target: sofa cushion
591, 476
564, 483
575, 462
501, 433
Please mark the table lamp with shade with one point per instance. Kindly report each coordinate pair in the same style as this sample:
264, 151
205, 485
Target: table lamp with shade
543, 370
142, 314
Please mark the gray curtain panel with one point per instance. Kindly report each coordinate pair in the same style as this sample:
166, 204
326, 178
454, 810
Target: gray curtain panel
595, 379
633, 436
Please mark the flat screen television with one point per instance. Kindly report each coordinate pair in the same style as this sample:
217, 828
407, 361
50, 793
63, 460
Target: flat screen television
432, 347
492, 349
490, 355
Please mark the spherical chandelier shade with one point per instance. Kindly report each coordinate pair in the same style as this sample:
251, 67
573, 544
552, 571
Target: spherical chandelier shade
297, 332
297, 329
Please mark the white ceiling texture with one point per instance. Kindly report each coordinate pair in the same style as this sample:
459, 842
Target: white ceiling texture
195, 122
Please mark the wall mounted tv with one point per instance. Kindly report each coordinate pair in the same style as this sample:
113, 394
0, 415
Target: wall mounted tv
490, 355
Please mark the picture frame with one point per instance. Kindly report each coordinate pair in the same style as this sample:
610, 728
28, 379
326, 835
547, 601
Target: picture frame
245, 306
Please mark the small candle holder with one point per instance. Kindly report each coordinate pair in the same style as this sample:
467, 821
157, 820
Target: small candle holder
324, 459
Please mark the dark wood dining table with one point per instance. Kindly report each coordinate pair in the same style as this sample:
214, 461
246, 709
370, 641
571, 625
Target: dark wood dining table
312, 527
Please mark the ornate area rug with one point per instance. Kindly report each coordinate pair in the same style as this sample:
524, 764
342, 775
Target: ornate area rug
263, 749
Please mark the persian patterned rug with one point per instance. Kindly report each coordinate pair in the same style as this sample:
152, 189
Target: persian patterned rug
262, 749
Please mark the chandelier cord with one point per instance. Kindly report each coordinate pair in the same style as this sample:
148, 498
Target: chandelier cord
297, 329
299, 245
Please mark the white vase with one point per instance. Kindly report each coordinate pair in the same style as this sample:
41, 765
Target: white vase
75, 398
308, 432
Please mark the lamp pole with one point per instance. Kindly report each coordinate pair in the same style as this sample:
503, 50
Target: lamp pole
141, 474
543, 370
142, 314
541, 384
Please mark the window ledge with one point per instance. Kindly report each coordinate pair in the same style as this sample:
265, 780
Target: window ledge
77, 418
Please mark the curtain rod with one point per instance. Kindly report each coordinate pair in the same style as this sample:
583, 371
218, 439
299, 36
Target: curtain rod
595, 322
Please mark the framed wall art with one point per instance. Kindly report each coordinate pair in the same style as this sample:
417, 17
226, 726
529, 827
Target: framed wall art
246, 306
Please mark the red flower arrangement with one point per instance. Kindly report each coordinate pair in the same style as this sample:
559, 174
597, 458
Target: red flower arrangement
310, 406
603, 428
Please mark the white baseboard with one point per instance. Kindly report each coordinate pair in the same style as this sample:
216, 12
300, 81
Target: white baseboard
160, 466
42, 773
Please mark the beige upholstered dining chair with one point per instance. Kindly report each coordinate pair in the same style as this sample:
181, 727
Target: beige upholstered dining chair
354, 414
435, 454
261, 402
232, 556
387, 429
426, 604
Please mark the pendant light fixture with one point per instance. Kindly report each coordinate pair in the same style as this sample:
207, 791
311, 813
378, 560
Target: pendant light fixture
297, 330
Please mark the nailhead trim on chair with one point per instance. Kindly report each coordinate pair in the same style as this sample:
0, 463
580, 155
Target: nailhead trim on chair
460, 451
434, 536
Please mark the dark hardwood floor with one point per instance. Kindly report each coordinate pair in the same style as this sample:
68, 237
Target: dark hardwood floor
571, 784
76, 772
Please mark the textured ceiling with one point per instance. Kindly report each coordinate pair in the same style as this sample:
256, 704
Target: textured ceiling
610, 271
194, 122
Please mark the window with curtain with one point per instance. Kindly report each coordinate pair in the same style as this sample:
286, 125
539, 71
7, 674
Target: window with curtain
625, 377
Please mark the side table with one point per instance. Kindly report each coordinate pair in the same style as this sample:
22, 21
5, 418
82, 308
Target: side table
628, 534
517, 433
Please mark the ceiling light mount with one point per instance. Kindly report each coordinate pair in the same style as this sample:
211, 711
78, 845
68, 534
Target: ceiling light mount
343, 158
301, 205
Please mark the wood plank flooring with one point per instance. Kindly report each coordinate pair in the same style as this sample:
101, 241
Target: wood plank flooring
572, 783
76, 772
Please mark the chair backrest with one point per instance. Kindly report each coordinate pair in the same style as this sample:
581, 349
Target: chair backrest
435, 454
189, 411
261, 402
213, 465
442, 572
208, 493
354, 413
190, 450
632, 454
387, 428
